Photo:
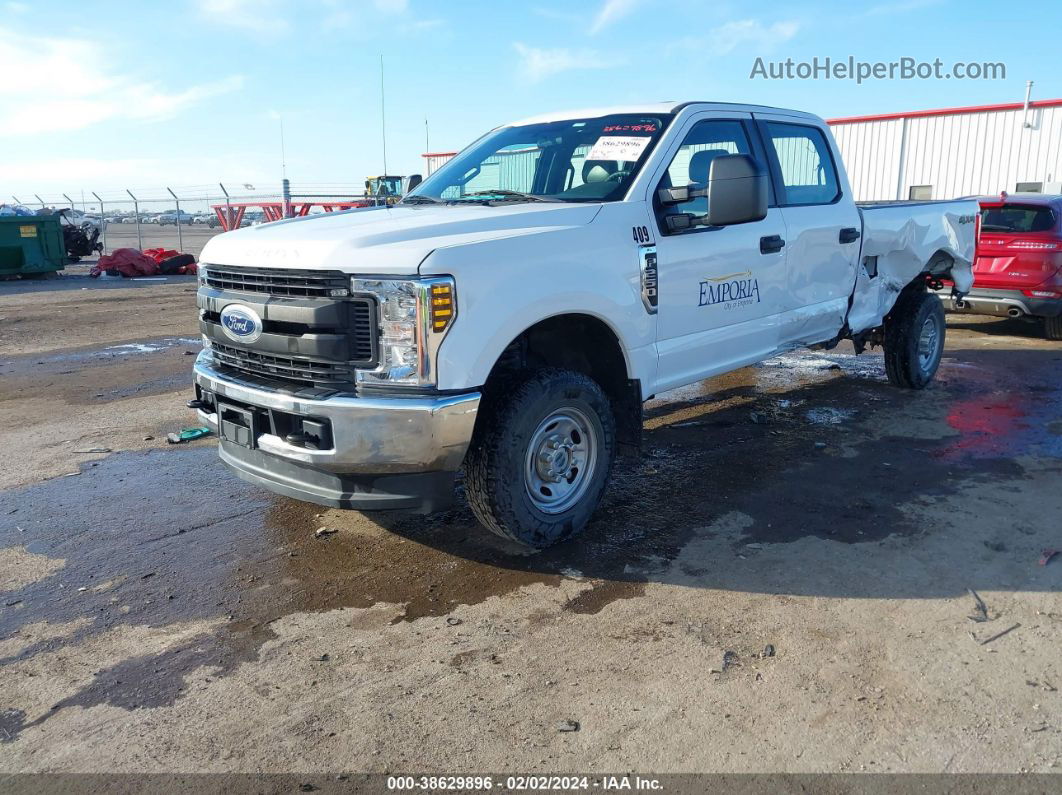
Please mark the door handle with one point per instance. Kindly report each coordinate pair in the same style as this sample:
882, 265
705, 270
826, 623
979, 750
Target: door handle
848, 235
771, 243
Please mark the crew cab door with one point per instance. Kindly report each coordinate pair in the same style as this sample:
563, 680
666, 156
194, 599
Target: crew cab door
721, 288
822, 222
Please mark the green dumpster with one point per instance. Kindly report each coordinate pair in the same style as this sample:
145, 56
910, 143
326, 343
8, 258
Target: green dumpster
31, 244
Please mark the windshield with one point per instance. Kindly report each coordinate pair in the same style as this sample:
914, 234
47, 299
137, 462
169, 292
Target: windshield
575, 160
1020, 218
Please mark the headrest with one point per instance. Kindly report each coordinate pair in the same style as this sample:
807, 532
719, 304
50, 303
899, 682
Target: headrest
599, 170
701, 164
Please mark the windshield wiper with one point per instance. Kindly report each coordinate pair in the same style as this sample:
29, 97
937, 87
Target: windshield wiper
420, 198
503, 194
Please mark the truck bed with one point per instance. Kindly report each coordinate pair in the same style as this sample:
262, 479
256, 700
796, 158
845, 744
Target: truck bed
901, 240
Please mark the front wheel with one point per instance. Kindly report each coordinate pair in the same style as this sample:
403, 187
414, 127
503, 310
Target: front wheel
914, 339
541, 457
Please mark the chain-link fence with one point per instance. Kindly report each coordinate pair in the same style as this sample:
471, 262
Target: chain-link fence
185, 217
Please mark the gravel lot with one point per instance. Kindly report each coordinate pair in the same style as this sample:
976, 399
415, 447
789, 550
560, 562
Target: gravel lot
782, 582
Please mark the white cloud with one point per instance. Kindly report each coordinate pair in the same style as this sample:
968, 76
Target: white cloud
261, 17
537, 64
612, 11
749, 34
16, 8
67, 84
375, 20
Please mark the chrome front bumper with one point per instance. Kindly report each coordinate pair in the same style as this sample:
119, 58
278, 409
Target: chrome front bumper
375, 442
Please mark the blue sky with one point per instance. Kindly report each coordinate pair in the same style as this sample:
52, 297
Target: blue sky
107, 95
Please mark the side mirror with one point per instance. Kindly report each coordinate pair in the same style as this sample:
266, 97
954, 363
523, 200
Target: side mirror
412, 181
737, 191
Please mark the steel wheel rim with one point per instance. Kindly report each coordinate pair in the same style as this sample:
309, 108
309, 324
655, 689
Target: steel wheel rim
928, 342
560, 461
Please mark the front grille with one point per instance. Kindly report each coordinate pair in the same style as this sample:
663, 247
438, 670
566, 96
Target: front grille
284, 282
300, 371
362, 331
357, 333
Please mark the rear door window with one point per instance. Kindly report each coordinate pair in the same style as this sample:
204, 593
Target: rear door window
806, 167
1017, 219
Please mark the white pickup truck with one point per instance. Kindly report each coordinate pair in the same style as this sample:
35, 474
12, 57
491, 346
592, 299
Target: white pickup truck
511, 315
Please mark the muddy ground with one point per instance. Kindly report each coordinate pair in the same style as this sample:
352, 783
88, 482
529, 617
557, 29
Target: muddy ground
781, 582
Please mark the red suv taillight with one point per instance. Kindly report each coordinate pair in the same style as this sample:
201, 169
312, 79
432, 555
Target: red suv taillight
1035, 245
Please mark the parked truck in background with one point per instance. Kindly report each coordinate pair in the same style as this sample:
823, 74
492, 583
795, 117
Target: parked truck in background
513, 312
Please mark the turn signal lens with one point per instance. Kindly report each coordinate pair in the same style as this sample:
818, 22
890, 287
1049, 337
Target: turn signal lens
442, 306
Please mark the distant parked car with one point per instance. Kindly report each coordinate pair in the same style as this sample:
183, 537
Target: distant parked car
1018, 270
171, 218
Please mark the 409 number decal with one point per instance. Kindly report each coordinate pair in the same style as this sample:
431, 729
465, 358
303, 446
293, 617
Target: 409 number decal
641, 234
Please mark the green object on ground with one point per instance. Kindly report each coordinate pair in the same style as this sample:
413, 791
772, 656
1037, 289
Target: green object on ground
31, 244
187, 435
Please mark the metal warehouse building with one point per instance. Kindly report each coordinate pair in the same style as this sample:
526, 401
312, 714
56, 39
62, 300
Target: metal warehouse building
945, 153
942, 154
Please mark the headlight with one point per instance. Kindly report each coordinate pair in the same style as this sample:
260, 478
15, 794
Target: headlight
414, 317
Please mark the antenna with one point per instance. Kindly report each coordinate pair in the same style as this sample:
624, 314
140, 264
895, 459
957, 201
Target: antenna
283, 157
427, 146
383, 116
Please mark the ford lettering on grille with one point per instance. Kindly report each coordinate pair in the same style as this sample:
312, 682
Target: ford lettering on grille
241, 323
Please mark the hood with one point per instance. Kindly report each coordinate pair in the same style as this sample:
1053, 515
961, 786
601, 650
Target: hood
392, 240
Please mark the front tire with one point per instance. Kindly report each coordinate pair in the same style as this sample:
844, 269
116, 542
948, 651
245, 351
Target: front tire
541, 456
914, 339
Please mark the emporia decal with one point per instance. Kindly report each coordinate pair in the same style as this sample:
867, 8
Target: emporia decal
732, 291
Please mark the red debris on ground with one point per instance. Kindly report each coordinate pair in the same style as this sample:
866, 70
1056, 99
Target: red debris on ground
131, 263
159, 254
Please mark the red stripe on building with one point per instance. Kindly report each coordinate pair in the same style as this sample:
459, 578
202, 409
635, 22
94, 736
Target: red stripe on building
916, 114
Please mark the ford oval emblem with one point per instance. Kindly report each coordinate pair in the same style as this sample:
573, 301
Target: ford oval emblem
241, 323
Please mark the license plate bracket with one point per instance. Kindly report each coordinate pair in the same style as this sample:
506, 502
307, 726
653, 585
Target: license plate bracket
237, 425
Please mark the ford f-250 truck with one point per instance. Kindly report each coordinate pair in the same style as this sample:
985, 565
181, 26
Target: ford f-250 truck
511, 314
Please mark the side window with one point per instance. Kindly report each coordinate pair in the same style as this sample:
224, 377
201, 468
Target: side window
808, 173
693, 161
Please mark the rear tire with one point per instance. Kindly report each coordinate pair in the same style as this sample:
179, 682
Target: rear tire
914, 339
1053, 327
541, 456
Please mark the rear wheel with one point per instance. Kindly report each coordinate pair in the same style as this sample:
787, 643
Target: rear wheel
1053, 327
914, 339
540, 459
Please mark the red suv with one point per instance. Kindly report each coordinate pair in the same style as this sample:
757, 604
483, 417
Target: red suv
1018, 271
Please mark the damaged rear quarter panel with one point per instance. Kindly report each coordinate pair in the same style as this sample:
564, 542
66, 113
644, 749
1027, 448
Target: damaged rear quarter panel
906, 240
